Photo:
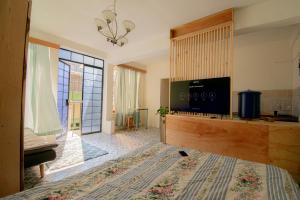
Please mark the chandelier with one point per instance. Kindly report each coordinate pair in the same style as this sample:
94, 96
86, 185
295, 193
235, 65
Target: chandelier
108, 27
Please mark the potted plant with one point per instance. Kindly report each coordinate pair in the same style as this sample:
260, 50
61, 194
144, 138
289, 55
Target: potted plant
162, 111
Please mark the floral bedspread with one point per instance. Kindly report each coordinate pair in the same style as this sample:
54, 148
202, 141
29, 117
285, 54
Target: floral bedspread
158, 171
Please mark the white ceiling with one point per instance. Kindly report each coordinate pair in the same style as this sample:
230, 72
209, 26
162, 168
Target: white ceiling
74, 19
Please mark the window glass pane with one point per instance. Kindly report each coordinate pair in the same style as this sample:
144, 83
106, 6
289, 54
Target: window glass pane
96, 96
66, 81
88, 60
96, 122
99, 63
61, 65
77, 57
88, 76
97, 90
97, 77
89, 70
87, 103
95, 128
60, 87
97, 109
97, 84
88, 83
60, 72
88, 90
87, 123
64, 54
98, 71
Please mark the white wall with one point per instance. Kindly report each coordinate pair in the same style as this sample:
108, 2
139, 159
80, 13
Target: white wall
263, 60
156, 71
267, 14
296, 77
296, 58
107, 123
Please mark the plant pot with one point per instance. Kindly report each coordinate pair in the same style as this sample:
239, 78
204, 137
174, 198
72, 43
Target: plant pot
162, 126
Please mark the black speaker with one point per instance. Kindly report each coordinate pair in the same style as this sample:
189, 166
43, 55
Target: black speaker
249, 104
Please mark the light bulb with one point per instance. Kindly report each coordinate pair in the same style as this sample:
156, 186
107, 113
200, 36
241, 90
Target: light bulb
109, 15
128, 25
101, 24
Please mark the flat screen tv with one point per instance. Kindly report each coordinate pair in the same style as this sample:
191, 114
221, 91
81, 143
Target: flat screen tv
201, 96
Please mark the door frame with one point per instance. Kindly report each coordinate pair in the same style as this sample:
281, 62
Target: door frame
93, 66
67, 102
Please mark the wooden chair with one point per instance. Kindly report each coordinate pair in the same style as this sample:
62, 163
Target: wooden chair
130, 122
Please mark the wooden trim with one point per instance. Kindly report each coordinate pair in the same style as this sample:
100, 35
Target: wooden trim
44, 43
203, 23
132, 68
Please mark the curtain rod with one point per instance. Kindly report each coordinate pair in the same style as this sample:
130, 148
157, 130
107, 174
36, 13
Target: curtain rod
43, 42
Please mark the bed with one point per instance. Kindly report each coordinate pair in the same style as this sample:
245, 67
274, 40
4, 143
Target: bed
158, 171
38, 150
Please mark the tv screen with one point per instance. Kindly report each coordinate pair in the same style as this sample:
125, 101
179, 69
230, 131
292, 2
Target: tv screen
201, 96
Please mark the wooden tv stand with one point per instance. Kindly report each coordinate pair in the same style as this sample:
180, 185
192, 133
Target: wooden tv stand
277, 143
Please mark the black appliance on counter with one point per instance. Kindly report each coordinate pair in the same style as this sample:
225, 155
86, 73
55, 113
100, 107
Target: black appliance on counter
249, 104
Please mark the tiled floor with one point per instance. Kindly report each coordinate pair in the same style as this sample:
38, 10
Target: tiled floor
115, 144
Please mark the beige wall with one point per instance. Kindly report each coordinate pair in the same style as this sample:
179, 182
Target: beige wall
155, 72
262, 61
107, 121
296, 61
296, 77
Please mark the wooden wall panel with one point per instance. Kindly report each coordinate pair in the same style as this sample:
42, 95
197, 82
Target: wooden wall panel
277, 143
284, 150
226, 137
13, 31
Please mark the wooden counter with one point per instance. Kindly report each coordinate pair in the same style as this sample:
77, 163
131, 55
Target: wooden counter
277, 143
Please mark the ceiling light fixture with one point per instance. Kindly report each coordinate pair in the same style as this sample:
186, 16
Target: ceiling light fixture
108, 27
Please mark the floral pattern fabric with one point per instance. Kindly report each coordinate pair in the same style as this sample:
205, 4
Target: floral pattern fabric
158, 171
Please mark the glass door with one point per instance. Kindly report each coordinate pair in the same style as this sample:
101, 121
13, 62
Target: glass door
75, 96
63, 93
80, 91
92, 99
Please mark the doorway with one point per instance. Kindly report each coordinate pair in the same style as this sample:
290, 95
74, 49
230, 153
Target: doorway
80, 92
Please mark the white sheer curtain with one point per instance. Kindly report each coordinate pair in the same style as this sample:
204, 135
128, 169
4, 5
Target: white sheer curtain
41, 114
127, 94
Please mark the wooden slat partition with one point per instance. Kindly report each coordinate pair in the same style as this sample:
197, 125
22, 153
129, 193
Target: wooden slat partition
203, 48
203, 54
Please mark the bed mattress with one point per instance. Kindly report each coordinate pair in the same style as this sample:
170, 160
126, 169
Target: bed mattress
158, 171
36, 144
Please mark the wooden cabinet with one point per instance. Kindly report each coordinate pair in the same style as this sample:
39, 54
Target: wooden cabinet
13, 36
277, 143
